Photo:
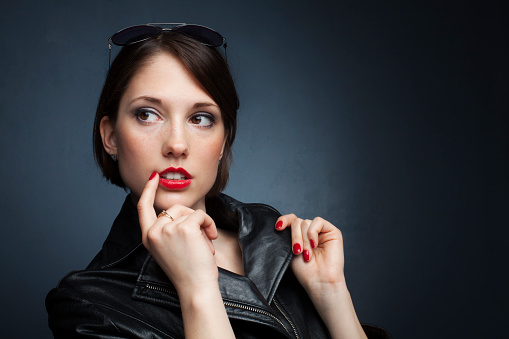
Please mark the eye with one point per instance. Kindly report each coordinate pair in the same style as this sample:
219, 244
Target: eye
202, 120
146, 115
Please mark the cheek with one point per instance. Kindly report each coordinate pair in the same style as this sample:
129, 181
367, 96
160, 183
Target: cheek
134, 142
134, 157
212, 151
128, 146
209, 155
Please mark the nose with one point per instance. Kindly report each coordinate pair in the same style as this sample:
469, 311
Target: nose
175, 141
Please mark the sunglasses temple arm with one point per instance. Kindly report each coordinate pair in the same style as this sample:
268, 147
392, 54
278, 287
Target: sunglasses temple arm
109, 55
225, 55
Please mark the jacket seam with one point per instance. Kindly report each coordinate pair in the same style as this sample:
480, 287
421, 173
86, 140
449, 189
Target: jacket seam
127, 315
242, 204
280, 274
263, 205
122, 258
387, 333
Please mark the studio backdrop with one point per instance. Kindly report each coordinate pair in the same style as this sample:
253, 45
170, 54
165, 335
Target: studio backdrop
388, 118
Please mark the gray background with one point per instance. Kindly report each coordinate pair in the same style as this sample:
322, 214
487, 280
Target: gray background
389, 118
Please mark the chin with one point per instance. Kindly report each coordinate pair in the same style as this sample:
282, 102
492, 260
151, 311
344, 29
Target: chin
165, 200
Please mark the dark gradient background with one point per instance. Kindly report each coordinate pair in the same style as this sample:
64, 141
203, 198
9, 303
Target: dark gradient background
388, 118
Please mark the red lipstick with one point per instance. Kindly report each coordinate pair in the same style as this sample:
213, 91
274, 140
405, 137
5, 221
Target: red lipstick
175, 178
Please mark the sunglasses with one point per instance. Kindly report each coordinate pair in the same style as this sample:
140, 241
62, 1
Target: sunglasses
134, 34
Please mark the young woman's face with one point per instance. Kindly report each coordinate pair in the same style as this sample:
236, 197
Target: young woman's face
167, 123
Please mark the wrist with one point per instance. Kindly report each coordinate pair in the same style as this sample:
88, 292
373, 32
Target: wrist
196, 294
328, 291
203, 313
328, 299
334, 304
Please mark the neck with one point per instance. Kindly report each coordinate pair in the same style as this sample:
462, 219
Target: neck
228, 253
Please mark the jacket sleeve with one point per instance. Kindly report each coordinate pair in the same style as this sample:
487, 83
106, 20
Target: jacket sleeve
375, 332
72, 316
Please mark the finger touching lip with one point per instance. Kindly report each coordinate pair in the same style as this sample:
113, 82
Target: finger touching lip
175, 178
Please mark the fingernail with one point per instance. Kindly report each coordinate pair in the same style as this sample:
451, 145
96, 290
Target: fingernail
312, 243
279, 225
306, 255
152, 176
296, 248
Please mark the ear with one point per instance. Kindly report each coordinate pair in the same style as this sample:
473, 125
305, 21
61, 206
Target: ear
108, 135
224, 143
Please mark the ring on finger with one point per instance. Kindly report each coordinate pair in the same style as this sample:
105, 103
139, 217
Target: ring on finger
165, 214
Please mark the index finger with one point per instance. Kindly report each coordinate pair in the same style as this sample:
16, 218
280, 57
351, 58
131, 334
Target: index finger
284, 221
146, 211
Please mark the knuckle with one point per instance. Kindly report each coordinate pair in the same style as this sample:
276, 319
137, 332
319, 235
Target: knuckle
152, 236
319, 219
140, 205
182, 229
169, 231
200, 213
179, 210
340, 235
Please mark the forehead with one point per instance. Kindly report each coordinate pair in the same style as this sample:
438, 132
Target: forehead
166, 77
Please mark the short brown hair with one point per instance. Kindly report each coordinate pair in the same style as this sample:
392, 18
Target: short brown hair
207, 66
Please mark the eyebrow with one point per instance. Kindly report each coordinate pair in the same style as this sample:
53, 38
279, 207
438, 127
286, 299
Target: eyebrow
155, 100
159, 102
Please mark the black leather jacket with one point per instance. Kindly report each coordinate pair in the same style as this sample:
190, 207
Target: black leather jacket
123, 293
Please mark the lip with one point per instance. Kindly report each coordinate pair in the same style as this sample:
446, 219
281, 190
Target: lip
175, 184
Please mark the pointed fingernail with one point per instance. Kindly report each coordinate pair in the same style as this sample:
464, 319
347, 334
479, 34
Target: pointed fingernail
312, 243
152, 176
279, 225
296, 249
306, 255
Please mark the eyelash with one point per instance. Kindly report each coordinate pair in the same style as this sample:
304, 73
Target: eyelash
139, 111
206, 115
209, 116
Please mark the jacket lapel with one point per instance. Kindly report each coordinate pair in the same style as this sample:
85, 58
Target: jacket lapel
266, 253
124, 237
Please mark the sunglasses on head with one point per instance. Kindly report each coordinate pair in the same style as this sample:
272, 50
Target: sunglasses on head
134, 34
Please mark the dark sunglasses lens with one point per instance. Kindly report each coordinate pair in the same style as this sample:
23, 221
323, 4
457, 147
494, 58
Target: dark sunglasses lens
134, 34
203, 34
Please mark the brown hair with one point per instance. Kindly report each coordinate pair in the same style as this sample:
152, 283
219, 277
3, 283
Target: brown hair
207, 66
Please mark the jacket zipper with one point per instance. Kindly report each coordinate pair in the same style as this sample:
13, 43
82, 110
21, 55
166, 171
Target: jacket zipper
287, 319
236, 305
256, 310
160, 289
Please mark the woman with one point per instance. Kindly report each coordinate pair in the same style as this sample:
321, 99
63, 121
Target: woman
182, 259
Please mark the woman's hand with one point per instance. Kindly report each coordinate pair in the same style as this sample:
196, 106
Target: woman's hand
182, 247
318, 248
318, 265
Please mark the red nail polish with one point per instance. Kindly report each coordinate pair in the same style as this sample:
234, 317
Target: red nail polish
279, 225
306, 255
312, 243
296, 248
152, 176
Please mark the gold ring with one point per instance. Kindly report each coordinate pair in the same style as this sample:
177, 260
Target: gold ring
165, 214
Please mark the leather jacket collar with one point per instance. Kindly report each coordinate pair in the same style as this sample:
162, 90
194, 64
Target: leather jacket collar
266, 253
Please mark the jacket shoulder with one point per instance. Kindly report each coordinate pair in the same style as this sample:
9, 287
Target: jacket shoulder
229, 210
97, 304
375, 332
